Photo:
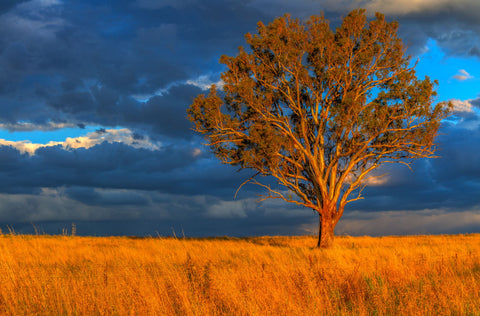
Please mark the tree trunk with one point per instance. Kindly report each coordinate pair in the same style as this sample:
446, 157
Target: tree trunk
325, 232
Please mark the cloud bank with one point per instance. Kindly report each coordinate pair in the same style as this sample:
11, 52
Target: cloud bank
133, 67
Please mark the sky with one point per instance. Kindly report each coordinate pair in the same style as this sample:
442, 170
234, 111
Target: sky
93, 128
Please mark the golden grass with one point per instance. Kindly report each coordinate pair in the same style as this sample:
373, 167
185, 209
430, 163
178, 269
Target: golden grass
60, 275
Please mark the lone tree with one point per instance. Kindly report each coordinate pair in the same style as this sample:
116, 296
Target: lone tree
319, 110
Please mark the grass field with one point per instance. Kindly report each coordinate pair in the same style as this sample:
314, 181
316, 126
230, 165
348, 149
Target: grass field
61, 275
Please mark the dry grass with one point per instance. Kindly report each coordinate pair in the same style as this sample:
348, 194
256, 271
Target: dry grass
60, 275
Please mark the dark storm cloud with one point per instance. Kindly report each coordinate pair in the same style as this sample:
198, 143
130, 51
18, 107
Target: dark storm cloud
453, 24
160, 115
450, 182
80, 62
92, 196
177, 187
6, 5
173, 169
476, 102
460, 156
181, 214
197, 198
176, 184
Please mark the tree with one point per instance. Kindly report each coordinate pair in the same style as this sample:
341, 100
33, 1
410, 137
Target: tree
319, 110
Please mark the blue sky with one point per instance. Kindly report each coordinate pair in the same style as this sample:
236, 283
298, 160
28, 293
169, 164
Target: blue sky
458, 76
93, 127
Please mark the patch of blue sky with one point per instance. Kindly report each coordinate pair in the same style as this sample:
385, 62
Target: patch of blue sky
437, 65
44, 137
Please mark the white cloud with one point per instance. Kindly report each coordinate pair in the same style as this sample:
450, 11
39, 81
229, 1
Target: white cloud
462, 107
462, 75
123, 135
465, 113
204, 82
376, 181
196, 152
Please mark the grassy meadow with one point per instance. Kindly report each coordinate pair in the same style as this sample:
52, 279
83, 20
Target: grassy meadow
67, 275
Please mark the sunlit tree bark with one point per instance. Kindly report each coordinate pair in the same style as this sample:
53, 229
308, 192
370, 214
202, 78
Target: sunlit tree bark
319, 110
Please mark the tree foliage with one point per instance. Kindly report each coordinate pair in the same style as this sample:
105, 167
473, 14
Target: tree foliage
319, 109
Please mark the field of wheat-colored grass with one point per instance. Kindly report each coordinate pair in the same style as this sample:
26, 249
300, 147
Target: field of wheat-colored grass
62, 275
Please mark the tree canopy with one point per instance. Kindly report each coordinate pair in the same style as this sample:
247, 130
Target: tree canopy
319, 110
